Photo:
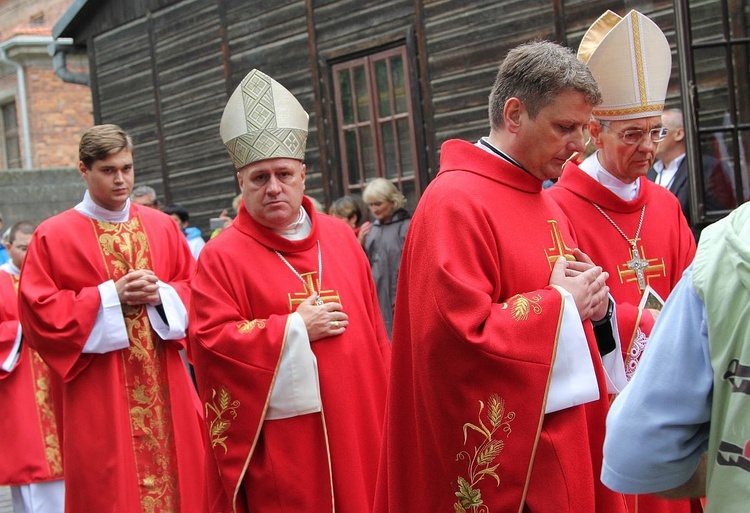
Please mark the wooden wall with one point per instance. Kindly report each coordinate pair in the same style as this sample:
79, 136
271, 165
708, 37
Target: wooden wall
164, 69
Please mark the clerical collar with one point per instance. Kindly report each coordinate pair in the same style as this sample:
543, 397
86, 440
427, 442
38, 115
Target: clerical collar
299, 228
10, 268
88, 208
592, 167
489, 148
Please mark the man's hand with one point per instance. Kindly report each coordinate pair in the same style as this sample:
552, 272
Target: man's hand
138, 288
585, 282
323, 321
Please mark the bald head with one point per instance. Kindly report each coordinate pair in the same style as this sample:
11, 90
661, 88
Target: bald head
674, 144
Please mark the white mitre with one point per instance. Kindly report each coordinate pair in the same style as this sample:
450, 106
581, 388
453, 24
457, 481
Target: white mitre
631, 61
262, 120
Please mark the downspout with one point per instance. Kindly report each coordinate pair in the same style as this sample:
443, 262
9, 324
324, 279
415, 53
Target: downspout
58, 50
21, 77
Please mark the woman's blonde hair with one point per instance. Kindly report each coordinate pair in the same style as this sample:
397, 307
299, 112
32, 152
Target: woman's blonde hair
380, 189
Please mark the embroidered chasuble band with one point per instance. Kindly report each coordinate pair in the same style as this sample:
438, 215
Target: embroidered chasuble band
40, 374
125, 246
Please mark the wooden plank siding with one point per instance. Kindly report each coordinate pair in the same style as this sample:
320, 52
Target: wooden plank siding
163, 69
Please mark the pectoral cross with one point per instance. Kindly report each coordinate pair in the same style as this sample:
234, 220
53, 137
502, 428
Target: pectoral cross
637, 264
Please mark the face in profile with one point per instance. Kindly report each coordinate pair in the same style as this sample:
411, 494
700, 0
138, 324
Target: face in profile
272, 190
557, 133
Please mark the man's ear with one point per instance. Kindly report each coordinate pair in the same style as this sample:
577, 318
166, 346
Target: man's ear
513, 111
82, 168
595, 131
679, 134
304, 172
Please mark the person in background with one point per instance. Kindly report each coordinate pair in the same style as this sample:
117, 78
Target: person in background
498, 391
670, 170
631, 227
30, 426
181, 216
351, 210
385, 241
4, 257
291, 354
144, 195
236, 201
103, 300
688, 406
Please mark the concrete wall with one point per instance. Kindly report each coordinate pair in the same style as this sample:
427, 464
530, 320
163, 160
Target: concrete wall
37, 194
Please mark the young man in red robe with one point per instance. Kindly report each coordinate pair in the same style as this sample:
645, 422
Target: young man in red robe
630, 226
498, 392
31, 461
104, 299
291, 354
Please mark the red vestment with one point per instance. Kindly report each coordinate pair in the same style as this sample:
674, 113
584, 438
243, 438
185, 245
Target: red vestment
243, 298
665, 242
29, 399
475, 336
131, 417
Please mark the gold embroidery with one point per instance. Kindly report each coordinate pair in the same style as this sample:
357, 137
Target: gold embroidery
654, 269
469, 495
47, 419
559, 248
218, 425
125, 246
327, 296
521, 305
248, 326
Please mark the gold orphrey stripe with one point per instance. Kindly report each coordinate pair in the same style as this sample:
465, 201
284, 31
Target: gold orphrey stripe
639, 57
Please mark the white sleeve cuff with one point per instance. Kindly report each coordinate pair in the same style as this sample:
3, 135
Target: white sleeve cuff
15, 353
613, 363
573, 380
296, 389
109, 332
174, 309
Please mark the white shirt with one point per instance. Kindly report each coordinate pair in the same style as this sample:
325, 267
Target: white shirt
592, 167
665, 176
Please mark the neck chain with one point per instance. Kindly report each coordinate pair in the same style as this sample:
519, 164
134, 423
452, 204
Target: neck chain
308, 285
636, 263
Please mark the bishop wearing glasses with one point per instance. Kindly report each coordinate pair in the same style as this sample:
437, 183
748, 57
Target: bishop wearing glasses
631, 227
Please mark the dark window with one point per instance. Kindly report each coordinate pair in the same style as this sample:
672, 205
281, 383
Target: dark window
713, 48
376, 122
10, 143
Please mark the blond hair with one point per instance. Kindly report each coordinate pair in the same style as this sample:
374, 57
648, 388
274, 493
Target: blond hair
380, 189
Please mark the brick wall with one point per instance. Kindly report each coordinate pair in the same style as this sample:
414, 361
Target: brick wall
58, 114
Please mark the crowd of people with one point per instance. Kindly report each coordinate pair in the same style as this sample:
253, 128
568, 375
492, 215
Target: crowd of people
464, 358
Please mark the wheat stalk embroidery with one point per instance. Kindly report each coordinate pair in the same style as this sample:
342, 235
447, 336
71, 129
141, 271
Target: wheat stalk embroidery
480, 463
223, 404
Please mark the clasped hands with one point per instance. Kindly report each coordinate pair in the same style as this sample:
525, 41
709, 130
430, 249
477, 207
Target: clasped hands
326, 320
138, 287
585, 281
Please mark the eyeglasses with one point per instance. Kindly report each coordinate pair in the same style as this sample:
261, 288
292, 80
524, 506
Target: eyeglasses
635, 136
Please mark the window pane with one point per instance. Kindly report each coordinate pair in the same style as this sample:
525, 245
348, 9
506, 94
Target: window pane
399, 84
740, 58
409, 191
718, 171
363, 97
368, 153
345, 83
389, 150
384, 94
711, 80
11, 144
352, 156
405, 149
705, 21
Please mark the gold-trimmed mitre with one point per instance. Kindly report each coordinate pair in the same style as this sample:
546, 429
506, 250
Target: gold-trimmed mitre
631, 61
263, 120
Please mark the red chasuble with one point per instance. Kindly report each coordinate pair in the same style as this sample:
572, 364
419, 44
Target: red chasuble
131, 417
243, 295
475, 335
665, 244
29, 399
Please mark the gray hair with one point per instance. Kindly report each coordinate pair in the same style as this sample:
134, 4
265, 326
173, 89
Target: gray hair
536, 73
143, 190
